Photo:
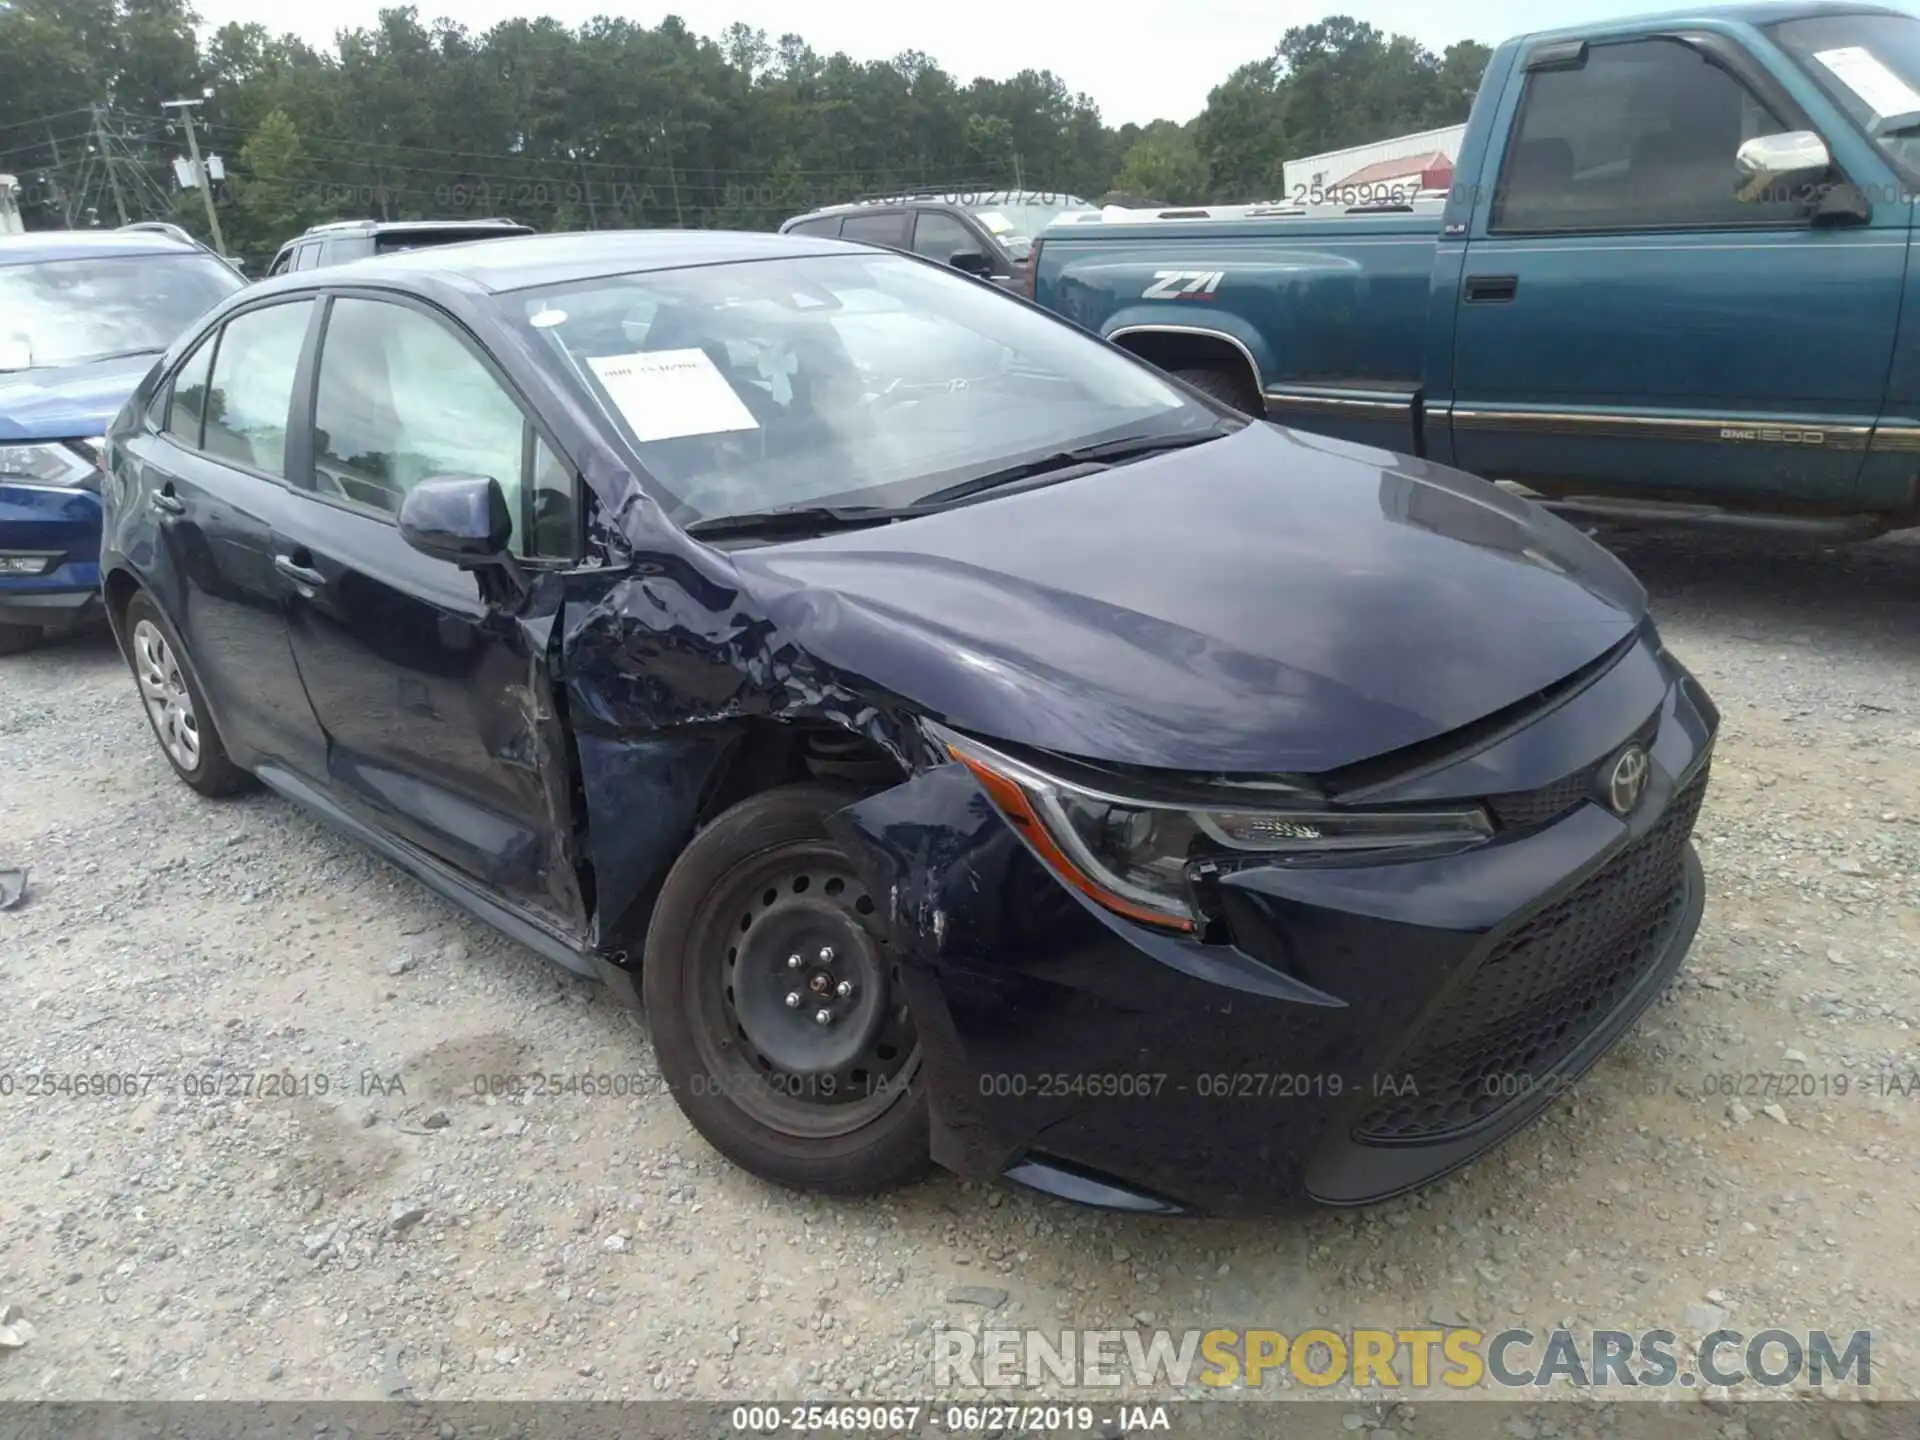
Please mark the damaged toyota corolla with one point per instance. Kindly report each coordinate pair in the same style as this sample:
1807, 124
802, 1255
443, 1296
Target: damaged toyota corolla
972, 745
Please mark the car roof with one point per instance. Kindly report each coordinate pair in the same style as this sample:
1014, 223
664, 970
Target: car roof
349, 227
521, 262
39, 245
1754, 12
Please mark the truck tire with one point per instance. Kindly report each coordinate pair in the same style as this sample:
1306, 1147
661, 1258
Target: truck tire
1225, 385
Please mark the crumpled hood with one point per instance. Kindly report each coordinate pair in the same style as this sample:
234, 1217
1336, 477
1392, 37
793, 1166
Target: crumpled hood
1270, 602
70, 403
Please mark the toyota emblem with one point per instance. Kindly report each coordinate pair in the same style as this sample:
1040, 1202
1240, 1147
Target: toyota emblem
1627, 780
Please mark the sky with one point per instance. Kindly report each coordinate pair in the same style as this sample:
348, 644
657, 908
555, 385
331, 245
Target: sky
1150, 62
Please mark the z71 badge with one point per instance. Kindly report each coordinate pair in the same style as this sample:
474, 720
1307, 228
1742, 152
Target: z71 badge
1183, 285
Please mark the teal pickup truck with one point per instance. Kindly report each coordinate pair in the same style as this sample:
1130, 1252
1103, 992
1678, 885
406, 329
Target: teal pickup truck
1672, 281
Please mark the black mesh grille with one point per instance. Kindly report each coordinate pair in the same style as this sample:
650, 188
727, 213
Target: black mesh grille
1540, 991
1524, 809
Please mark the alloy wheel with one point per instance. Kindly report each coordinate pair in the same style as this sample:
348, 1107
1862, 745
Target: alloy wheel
164, 689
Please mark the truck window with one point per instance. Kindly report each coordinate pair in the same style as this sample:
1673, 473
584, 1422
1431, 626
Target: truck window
1870, 64
826, 225
1641, 137
938, 236
882, 227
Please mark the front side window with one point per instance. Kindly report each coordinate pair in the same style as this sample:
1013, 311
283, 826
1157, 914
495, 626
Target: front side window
251, 391
55, 313
1870, 65
401, 399
1644, 135
939, 236
872, 378
187, 407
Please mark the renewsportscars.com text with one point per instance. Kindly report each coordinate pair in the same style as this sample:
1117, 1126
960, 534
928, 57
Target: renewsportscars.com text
1459, 1358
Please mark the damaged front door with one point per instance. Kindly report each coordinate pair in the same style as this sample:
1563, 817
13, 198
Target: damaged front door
439, 721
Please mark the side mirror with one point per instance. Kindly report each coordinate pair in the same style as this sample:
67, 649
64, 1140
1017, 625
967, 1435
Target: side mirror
971, 262
1769, 160
462, 519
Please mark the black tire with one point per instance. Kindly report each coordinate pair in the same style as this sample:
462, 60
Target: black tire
738, 905
17, 639
1227, 385
211, 773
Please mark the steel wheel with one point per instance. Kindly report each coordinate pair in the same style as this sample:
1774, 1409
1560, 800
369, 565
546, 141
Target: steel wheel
801, 1018
164, 688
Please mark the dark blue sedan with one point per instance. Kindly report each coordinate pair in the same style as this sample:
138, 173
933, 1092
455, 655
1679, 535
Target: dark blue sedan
970, 744
82, 314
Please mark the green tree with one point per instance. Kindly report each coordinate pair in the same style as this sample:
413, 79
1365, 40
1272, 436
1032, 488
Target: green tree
1164, 163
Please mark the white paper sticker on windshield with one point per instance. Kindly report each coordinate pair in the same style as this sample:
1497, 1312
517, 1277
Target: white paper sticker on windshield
665, 394
1862, 72
994, 221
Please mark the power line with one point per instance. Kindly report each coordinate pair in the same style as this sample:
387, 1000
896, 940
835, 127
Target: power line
507, 155
42, 120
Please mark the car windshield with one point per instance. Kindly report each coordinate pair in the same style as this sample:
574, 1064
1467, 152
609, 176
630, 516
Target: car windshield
1870, 64
1015, 217
70, 312
869, 379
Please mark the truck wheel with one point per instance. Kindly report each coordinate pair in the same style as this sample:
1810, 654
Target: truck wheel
773, 996
17, 638
1223, 384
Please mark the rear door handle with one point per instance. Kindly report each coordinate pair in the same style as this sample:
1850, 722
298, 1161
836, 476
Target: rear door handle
1491, 289
298, 573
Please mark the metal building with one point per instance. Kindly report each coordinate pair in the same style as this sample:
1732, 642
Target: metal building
1423, 160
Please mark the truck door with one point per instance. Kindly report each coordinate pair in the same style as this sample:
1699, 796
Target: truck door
1624, 318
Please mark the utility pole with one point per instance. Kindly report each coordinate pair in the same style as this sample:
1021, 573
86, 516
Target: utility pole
113, 174
186, 108
66, 205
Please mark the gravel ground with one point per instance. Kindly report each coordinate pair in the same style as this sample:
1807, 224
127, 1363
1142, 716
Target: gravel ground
374, 1240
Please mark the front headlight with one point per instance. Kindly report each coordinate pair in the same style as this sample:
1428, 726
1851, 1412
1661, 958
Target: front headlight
1143, 857
70, 465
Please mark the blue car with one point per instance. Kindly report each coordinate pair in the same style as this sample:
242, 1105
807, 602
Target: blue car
82, 316
1022, 762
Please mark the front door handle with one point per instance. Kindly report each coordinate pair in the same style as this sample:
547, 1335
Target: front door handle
1491, 289
298, 573
166, 502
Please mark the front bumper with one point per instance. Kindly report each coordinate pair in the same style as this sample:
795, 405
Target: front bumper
1367, 1029
61, 529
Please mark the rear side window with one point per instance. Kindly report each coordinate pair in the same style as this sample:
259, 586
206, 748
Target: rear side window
187, 408
307, 256
825, 225
886, 228
252, 386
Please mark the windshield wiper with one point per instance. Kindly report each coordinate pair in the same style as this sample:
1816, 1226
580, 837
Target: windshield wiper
800, 520
822, 519
1082, 458
119, 355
